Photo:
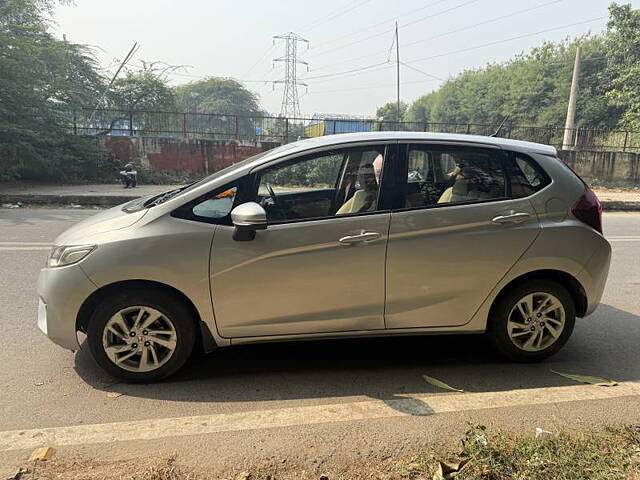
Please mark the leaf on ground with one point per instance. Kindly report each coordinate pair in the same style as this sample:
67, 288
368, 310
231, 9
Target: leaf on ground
437, 383
598, 381
448, 470
114, 394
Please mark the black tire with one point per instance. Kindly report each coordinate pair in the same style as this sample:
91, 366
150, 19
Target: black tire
499, 317
166, 302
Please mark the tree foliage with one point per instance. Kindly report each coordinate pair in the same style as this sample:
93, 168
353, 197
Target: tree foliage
144, 89
217, 95
389, 112
533, 88
623, 68
42, 79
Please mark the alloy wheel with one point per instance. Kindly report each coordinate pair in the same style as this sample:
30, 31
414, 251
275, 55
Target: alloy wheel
139, 339
536, 321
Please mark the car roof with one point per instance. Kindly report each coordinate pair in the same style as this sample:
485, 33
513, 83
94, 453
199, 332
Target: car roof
457, 138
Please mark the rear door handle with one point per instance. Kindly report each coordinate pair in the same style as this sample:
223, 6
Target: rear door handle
361, 237
515, 217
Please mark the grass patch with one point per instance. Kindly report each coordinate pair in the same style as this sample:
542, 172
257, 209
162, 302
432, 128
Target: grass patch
610, 453
604, 453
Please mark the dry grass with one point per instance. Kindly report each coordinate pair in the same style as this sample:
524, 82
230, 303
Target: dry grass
609, 453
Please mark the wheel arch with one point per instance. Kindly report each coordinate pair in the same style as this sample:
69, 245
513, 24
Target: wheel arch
203, 334
565, 279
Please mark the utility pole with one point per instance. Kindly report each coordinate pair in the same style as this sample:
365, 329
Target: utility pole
568, 141
290, 103
398, 72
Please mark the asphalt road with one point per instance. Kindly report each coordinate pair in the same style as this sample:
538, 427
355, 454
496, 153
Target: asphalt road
313, 403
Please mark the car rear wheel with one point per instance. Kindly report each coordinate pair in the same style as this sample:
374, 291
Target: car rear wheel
532, 321
141, 335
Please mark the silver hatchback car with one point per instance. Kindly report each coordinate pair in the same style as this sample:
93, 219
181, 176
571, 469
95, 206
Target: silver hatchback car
382, 233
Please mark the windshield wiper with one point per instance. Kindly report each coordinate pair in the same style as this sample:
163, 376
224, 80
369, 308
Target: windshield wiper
163, 197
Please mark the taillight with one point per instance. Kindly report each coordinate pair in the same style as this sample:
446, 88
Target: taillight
588, 209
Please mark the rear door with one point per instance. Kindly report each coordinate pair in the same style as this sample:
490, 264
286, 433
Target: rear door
455, 232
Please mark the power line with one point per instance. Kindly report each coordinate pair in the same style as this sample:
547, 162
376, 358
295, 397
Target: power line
437, 14
366, 87
491, 20
422, 72
202, 77
368, 67
262, 57
322, 18
356, 71
356, 32
384, 66
458, 30
338, 14
468, 2
475, 47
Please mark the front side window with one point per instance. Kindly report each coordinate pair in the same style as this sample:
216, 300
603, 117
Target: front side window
340, 182
449, 176
216, 206
213, 207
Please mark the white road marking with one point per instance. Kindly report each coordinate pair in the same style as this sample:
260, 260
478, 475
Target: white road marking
25, 244
624, 238
19, 246
418, 405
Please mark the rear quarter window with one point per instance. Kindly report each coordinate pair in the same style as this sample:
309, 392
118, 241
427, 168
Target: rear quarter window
525, 175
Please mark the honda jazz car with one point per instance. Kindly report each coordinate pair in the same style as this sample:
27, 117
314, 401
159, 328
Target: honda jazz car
354, 235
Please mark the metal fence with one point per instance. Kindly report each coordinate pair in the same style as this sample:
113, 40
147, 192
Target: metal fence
284, 130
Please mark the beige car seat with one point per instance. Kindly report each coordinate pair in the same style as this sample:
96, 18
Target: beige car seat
360, 201
365, 198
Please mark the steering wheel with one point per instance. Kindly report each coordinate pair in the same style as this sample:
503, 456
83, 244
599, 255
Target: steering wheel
274, 198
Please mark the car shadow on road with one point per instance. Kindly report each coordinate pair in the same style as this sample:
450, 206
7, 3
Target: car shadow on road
390, 369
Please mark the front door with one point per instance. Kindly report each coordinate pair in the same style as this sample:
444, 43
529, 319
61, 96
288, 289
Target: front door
319, 267
458, 233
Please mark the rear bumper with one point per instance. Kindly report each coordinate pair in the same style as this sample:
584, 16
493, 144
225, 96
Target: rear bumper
61, 292
593, 276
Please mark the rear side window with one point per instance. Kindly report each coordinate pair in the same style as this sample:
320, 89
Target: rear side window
440, 176
525, 175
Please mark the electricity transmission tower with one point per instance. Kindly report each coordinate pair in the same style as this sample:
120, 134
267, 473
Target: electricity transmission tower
290, 102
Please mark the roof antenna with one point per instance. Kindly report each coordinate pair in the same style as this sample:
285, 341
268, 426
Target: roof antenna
497, 132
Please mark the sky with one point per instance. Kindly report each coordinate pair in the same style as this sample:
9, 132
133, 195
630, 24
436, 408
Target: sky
350, 51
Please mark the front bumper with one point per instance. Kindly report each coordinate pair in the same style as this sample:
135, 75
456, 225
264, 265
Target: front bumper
61, 293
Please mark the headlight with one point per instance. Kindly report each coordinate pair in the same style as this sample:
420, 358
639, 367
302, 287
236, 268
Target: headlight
66, 255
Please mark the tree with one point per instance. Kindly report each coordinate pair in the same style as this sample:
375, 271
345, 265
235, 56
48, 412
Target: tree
532, 88
623, 66
223, 96
389, 112
43, 79
145, 90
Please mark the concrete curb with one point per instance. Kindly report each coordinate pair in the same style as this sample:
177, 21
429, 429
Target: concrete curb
113, 200
83, 200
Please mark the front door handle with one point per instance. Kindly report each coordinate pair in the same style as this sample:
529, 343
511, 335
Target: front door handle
361, 237
513, 217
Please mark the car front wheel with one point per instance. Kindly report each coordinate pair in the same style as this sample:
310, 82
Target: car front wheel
532, 321
141, 335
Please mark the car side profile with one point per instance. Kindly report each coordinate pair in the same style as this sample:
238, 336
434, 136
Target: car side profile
352, 235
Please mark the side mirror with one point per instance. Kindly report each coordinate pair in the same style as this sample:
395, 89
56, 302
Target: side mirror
247, 218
